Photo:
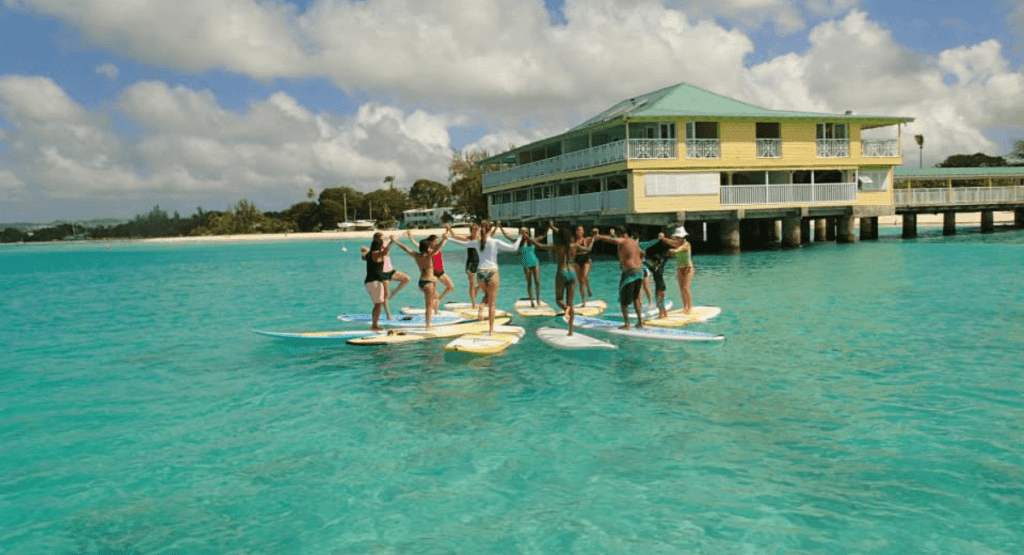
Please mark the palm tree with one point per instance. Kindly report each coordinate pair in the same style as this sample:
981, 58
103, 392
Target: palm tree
390, 179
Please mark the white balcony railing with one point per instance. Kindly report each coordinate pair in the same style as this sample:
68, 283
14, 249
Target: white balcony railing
646, 149
604, 201
703, 148
789, 194
880, 148
769, 148
833, 148
957, 195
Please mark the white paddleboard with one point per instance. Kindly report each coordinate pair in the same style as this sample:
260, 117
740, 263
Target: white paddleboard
484, 343
560, 339
409, 335
316, 336
678, 318
420, 311
403, 320
646, 332
540, 308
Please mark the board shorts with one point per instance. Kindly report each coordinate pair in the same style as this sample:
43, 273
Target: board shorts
630, 285
376, 291
472, 266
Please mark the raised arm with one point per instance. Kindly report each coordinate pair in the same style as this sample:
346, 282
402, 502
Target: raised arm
534, 242
437, 248
507, 236
403, 247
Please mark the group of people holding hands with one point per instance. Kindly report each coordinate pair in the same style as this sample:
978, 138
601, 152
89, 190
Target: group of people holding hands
571, 251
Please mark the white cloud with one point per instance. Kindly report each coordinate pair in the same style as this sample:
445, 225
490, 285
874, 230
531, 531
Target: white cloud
428, 66
192, 146
110, 70
854, 63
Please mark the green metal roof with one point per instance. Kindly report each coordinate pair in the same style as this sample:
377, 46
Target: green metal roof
910, 174
685, 100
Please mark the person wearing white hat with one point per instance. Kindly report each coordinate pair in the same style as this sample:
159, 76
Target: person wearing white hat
685, 268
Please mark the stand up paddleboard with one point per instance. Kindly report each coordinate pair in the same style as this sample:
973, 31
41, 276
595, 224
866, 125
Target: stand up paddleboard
678, 318
540, 308
403, 320
646, 332
316, 336
420, 311
560, 339
409, 335
592, 308
484, 343
470, 311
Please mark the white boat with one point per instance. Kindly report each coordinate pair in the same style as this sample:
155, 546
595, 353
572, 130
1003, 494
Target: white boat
358, 225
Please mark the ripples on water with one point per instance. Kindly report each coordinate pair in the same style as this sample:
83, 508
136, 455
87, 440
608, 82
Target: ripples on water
868, 400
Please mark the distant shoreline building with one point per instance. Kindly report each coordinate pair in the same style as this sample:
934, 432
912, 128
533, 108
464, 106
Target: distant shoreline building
431, 217
719, 166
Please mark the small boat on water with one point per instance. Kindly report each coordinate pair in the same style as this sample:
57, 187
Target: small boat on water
357, 225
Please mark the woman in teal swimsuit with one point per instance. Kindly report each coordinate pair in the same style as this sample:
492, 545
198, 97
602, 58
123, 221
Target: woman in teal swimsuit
531, 265
565, 277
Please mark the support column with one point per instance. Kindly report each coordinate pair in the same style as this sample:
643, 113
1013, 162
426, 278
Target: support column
729, 234
830, 229
949, 223
819, 229
805, 231
844, 233
869, 228
909, 226
988, 221
777, 230
791, 232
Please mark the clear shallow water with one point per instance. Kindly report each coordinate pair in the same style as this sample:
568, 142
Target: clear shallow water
869, 399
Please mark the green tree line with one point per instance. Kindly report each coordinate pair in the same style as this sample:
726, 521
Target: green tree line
324, 212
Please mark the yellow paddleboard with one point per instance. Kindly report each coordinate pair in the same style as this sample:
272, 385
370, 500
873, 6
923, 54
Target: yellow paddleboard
408, 335
484, 343
594, 307
678, 318
526, 309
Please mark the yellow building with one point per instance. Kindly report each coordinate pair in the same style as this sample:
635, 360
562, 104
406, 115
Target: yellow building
684, 155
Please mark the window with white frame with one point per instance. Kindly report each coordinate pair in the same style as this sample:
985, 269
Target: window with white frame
873, 180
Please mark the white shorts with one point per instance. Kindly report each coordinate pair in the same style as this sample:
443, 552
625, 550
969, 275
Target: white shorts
376, 291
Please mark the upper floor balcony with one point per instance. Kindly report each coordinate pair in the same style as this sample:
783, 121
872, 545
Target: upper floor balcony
608, 153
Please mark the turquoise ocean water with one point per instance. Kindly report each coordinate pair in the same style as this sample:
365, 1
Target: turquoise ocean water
869, 399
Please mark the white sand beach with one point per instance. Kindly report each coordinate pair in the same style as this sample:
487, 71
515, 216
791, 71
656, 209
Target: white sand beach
318, 236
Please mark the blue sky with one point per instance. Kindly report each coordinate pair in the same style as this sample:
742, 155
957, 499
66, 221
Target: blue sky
106, 110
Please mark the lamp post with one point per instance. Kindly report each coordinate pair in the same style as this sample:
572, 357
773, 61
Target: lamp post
920, 145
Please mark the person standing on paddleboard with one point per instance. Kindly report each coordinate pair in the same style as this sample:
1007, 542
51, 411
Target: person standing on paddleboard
439, 274
472, 260
531, 265
487, 276
631, 262
390, 274
655, 252
375, 282
581, 261
425, 261
565, 277
684, 266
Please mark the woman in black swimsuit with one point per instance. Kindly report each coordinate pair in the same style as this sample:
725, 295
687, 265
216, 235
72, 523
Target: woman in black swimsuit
581, 262
472, 260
